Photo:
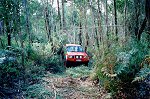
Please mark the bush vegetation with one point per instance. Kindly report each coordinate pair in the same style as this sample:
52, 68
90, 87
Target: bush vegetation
125, 71
115, 32
38, 60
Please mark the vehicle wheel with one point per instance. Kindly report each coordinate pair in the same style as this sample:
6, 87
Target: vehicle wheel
86, 64
66, 64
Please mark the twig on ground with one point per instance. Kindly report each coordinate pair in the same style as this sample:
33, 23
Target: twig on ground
54, 88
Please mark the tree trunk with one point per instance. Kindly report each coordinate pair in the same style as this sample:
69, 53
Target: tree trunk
27, 20
96, 34
63, 15
115, 14
106, 22
146, 20
99, 22
137, 14
18, 28
47, 23
7, 21
59, 15
125, 19
80, 34
94, 16
106, 19
8, 32
86, 32
147, 11
141, 29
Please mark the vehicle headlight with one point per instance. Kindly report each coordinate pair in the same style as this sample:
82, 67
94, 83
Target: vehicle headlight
70, 56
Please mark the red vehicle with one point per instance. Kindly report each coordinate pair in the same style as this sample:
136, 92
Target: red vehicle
74, 54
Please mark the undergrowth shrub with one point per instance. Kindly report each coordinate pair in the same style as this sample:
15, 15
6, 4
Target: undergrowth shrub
54, 64
42, 55
3, 41
125, 71
10, 71
40, 60
38, 91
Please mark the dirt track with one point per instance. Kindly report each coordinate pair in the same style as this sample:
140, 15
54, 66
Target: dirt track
74, 88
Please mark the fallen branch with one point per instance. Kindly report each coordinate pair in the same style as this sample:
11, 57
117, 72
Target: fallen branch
55, 92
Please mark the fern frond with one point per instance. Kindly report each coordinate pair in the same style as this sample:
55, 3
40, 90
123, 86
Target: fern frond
120, 68
143, 73
105, 72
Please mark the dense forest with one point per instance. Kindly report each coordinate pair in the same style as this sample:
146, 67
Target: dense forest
114, 33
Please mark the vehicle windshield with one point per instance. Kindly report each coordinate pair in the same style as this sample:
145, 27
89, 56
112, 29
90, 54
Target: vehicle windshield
74, 49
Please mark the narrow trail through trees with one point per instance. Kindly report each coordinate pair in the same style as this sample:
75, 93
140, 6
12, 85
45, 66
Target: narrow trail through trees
67, 86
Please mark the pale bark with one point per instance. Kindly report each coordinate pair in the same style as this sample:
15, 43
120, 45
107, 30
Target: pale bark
106, 19
47, 22
125, 19
99, 23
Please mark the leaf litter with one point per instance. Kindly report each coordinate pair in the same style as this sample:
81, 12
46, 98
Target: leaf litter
75, 83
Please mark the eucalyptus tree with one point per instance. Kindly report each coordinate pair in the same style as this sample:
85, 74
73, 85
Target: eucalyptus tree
106, 18
99, 20
82, 5
7, 9
140, 17
47, 15
125, 18
146, 21
79, 5
115, 15
63, 14
59, 15
96, 21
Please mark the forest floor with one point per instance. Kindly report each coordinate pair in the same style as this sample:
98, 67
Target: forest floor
74, 83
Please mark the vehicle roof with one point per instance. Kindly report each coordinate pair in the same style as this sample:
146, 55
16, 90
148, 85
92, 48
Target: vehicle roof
73, 45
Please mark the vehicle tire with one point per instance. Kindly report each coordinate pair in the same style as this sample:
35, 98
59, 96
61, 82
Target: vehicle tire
86, 64
66, 64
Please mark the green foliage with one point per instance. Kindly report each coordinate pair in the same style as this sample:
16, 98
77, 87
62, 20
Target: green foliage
34, 71
10, 71
54, 65
142, 74
3, 41
114, 64
75, 18
131, 61
42, 55
38, 91
33, 54
125, 67
78, 71
40, 60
